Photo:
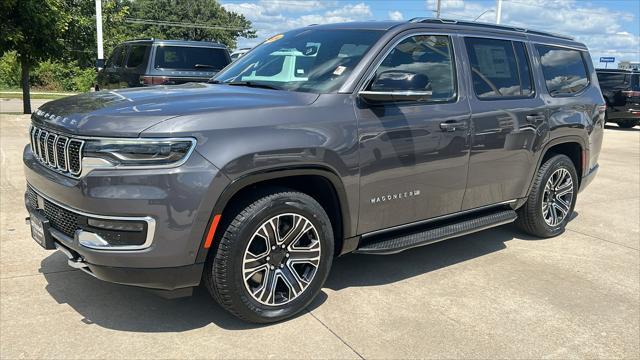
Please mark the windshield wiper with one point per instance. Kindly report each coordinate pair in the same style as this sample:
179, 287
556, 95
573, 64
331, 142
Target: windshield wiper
250, 84
200, 66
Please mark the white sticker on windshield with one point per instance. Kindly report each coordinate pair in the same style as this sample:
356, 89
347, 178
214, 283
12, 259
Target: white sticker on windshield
339, 70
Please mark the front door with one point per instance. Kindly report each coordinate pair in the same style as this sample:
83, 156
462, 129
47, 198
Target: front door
413, 152
508, 122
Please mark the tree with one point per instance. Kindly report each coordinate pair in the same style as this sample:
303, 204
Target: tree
188, 20
33, 28
80, 37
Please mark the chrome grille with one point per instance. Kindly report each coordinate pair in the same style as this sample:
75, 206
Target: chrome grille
56, 151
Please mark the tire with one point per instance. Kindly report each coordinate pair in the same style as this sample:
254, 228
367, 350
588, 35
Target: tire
627, 124
246, 237
532, 217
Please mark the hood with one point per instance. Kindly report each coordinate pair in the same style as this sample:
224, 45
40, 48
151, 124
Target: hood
127, 112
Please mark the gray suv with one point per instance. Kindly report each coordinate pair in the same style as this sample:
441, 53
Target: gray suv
370, 137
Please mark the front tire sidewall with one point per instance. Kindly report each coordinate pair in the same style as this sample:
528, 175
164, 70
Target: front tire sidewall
252, 309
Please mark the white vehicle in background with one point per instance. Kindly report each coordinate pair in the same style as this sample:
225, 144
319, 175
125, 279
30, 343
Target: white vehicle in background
238, 53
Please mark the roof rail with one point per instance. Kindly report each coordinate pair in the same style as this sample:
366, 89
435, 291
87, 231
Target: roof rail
488, 25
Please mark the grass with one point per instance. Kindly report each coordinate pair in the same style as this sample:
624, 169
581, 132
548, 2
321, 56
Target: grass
35, 94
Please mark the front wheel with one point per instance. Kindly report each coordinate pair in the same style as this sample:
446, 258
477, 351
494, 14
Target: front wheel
552, 198
273, 258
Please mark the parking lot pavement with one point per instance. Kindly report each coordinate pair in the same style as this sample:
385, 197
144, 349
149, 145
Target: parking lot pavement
495, 294
15, 105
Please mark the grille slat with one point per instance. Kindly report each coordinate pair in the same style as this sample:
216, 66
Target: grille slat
59, 218
62, 153
51, 153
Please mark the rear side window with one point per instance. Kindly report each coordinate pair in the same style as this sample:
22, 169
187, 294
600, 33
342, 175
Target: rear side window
635, 82
564, 70
190, 58
500, 68
117, 58
613, 80
136, 55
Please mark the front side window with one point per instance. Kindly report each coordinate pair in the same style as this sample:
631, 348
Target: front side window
307, 60
136, 55
499, 68
564, 70
420, 63
190, 58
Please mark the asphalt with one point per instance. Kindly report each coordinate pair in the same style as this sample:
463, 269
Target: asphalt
494, 294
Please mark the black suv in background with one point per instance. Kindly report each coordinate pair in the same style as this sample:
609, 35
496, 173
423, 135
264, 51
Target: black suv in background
621, 91
161, 62
372, 137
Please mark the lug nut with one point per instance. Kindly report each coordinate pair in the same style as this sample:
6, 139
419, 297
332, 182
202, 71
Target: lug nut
282, 246
281, 266
268, 258
287, 254
273, 247
272, 267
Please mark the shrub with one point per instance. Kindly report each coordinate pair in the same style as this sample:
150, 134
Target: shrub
9, 70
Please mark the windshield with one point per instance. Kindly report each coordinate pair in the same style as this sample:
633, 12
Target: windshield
306, 60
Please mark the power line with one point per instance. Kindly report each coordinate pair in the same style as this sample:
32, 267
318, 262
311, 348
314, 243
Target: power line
179, 24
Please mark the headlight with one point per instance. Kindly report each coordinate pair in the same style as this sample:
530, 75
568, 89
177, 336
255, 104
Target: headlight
140, 152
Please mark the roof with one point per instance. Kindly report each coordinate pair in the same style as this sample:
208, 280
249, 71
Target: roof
177, 42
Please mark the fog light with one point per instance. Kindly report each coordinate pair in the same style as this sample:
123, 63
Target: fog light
115, 225
90, 239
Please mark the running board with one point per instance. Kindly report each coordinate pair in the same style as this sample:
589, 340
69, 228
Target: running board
395, 243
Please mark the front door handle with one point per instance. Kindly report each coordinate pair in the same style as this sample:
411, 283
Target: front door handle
536, 118
452, 126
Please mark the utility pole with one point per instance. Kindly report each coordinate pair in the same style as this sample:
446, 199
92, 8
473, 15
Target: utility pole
498, 11
100, 60
438, 8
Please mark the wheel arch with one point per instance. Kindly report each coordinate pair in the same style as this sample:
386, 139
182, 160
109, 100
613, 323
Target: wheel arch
313, 180
572, 146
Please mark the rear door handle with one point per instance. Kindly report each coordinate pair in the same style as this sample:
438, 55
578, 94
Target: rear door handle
452, 126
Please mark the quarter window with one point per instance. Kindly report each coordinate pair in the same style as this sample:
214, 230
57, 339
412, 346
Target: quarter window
421, 63
136, 55
499, 68
564, 70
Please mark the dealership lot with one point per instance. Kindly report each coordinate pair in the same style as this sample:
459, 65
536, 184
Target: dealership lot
498, 293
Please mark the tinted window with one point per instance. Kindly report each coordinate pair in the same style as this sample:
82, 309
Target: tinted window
136, 55
191, 58
115, 55
496, 70
613, 80
117, 58
420, 63
635, 82
564, 70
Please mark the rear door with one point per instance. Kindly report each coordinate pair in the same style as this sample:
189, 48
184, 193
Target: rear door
109, 77
508, 120
413, 154
135, 66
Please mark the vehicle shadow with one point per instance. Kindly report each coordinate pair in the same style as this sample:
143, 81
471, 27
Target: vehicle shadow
134, 309
616, 127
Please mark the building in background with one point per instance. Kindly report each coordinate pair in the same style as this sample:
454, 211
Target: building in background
629, 65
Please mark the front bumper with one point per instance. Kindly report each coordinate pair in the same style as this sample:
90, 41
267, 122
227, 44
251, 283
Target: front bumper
178, 201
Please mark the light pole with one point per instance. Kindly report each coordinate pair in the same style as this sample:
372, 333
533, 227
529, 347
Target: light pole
100, 60
498, 11
438, 9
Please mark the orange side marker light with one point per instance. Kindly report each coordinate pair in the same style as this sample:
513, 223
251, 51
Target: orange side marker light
212, 231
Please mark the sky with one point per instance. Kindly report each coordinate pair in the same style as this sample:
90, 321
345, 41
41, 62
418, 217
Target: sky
607, 27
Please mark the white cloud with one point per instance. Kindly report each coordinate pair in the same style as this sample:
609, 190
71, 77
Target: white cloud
357, 10
272, 6
396, 15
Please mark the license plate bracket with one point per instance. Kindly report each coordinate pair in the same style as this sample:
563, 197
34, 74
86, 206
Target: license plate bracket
40, 230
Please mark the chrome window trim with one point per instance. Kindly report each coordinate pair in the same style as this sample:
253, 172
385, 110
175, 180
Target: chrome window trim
151, 226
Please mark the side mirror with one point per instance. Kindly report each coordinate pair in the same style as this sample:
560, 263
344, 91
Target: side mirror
398, 85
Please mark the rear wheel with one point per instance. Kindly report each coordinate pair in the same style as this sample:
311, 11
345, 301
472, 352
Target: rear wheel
627, 124
552, 198
273, 258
